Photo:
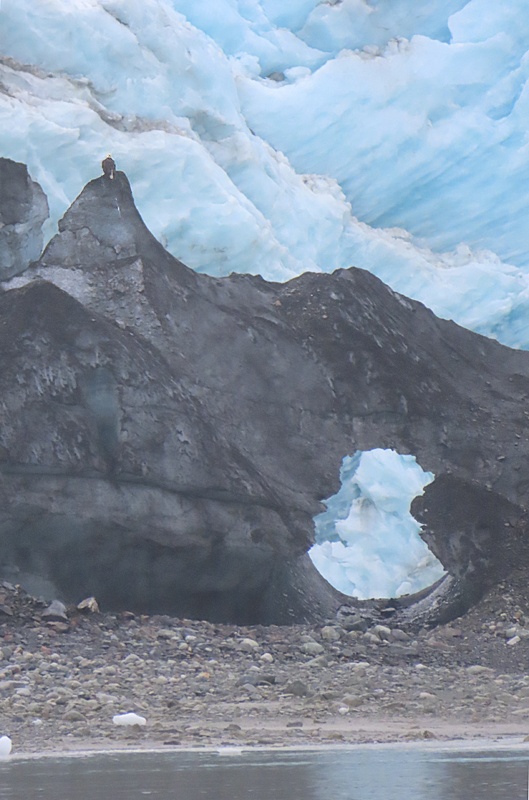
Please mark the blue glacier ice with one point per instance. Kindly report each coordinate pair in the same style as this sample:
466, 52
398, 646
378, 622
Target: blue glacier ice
278, 137
367, 541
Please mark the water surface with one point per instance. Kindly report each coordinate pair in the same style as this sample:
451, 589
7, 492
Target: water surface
376, 773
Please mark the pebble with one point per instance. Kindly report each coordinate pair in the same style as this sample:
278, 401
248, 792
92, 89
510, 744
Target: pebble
56, 611
73, 716
166, 633
353, 701
88, 605
399, 636
312, 648
297, 688
248, 645
382, 631
331, 634
268, 658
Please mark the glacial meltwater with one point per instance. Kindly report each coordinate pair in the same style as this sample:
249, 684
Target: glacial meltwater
364, 773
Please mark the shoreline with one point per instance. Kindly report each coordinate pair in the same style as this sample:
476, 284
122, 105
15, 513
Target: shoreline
205, 686
500, 742
334, 734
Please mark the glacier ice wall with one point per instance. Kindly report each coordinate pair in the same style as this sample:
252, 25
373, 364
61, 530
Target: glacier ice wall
274, 138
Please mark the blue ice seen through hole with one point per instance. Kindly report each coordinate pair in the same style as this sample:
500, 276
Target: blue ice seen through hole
367, 542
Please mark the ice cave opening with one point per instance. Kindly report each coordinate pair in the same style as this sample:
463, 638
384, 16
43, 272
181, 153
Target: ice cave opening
368, 545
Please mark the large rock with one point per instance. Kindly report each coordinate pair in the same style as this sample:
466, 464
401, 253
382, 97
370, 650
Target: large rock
23, 211
168, 437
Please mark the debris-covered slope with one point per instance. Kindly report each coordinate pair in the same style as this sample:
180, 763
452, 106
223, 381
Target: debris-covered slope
182, 430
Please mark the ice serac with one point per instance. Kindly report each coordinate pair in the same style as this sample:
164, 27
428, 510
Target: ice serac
168, 437
23, 211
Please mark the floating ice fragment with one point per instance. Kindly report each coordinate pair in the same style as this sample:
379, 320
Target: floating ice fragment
5, 746
128, 719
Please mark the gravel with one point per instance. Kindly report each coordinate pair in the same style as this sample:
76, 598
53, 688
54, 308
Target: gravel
65, 676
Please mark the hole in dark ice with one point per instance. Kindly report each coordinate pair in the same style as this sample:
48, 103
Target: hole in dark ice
368, 545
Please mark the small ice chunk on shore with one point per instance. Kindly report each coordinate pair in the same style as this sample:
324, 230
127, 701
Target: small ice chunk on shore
5, 746
128, 719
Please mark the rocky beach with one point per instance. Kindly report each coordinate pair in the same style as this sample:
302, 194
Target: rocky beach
65, 673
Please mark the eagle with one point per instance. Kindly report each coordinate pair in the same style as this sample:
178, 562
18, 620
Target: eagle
109, 167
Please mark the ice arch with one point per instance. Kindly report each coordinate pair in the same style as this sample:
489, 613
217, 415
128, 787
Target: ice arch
367, 542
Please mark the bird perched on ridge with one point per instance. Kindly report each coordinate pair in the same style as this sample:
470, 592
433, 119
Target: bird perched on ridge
109, 167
